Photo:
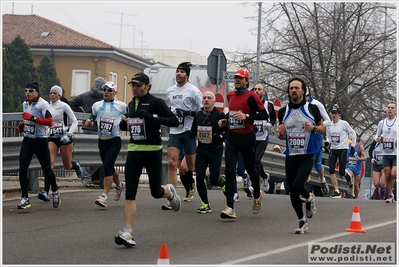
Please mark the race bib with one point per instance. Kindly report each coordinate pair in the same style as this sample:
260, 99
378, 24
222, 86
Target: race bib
137, 128
181, 120
235, 124
259, 127
106, 126
29, 128
352, 161
56, 130
204, 134
335, 139
297, 143
387, 145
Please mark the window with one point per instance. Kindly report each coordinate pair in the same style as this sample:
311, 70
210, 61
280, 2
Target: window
80, 82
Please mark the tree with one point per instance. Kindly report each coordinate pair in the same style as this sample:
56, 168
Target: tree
345, 50
20, 69
48, 76
8, 96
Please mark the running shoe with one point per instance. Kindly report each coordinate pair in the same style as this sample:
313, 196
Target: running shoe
188, 198
246, 183
222, 180
324, 188
125, 238
228, 213
311, 206
87, 182
303, 227
257, 203
390, 199
24, 204
265, 183
307, 180
176, 201
101, 201
56, 199
167, 206
336, 194
236, 198
348, 177
205, 208
249, 191
118, 192
44, 196
193, 190
79, 172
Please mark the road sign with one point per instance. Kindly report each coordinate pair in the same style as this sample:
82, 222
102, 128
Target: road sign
228, 76
219, 103
277, 106
216, 65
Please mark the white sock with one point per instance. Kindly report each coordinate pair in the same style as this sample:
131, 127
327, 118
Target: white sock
105, 196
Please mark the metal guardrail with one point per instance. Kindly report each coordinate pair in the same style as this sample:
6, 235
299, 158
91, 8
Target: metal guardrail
86, 151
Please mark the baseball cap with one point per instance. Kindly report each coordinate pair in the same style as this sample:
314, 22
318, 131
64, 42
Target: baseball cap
140, 78
110, 84
336, 109
276, 147
242, 73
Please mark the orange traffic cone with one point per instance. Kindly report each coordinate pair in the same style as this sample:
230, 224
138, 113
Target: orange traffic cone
163, 258
356, 224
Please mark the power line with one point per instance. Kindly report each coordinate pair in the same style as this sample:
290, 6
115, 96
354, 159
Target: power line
121, 24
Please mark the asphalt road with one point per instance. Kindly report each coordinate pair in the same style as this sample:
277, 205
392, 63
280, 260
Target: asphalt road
80, 232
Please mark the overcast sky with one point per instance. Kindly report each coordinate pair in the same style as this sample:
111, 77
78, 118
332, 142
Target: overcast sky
189, 25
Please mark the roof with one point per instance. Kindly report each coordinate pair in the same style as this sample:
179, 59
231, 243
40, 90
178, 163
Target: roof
39, 32
32, 27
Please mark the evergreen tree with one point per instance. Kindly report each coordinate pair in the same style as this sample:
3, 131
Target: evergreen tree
8, 96
48, 76
21, 68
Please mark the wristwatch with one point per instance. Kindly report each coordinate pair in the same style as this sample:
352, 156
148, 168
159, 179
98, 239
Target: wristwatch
247, 116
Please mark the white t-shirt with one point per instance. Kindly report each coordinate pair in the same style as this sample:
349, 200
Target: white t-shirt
109, 115
388, 129
323, 113
338, 134
57, 110
187, 97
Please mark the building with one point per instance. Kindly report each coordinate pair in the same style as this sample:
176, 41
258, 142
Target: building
78, 59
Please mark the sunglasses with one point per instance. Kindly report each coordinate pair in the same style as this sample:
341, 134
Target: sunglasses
107, 89
29, 90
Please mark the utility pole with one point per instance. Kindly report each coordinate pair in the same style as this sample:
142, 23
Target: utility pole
258, 44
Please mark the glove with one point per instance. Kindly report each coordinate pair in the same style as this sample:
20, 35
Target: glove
28, 116
20, 127
352, 151
145, 114
66, 138
326, 144
182, 113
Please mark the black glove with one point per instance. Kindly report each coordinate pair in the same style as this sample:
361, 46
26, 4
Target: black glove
192, 135
182, 113
145, 114
352, 151
326, 144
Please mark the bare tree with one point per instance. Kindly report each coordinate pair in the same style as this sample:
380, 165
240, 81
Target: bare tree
345, 50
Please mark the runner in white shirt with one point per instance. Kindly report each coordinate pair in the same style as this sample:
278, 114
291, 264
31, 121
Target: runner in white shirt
108, 114
387, 135
338, 134
185, 99
60, 137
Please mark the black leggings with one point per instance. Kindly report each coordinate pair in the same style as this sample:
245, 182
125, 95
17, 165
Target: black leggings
259, 151
109, 151
38, 147
202, 160
244, 143
152, 162
297, 171
342, 155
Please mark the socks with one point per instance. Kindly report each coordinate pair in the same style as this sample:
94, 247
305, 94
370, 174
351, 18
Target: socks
119, 186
